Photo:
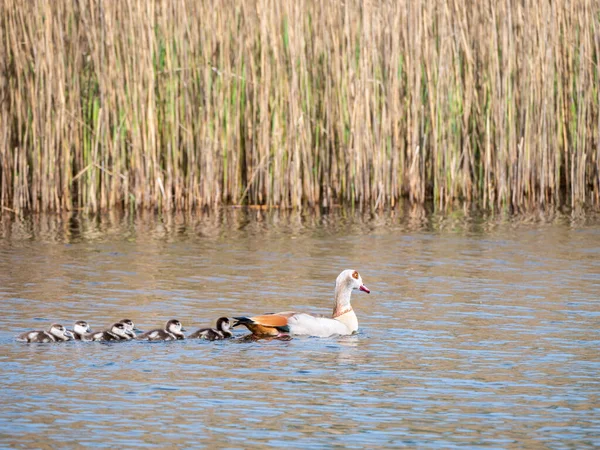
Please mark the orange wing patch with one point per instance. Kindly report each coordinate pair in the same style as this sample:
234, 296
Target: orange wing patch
270, 320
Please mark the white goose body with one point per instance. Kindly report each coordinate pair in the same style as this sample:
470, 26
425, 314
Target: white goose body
342, 322
305, 324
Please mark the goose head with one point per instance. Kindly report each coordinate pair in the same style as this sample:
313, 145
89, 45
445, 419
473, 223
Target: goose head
129, 327
223, 324
119, 330
351, 279
81, 327
174, 326
60, 332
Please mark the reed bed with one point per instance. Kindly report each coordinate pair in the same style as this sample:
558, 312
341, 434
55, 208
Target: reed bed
181, 105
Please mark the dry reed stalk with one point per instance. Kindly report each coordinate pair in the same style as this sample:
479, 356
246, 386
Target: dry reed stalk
181, 106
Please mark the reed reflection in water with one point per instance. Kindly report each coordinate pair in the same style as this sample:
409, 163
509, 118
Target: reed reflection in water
476, 333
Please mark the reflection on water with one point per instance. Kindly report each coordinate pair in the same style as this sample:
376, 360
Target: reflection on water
478, 331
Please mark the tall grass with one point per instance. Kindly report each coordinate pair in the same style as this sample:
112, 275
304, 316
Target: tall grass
182, 105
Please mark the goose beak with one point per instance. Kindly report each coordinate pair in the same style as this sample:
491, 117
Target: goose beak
183, 329
364, 289
130, 333
69, 334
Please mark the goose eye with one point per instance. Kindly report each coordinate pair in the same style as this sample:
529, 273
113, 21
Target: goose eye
355, 275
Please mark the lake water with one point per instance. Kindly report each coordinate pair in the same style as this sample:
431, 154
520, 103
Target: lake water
479, 333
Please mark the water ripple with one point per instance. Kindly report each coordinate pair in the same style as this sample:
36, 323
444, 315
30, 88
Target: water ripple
478, 340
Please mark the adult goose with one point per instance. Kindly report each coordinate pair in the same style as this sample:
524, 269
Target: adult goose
342, 322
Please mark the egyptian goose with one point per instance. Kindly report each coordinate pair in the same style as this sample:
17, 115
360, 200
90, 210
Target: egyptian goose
342, 322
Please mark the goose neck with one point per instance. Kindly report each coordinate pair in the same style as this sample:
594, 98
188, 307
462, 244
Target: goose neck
342, 300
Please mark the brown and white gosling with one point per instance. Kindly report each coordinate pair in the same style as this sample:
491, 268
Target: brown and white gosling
56, 333
173, 330
213, 334
117, 332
